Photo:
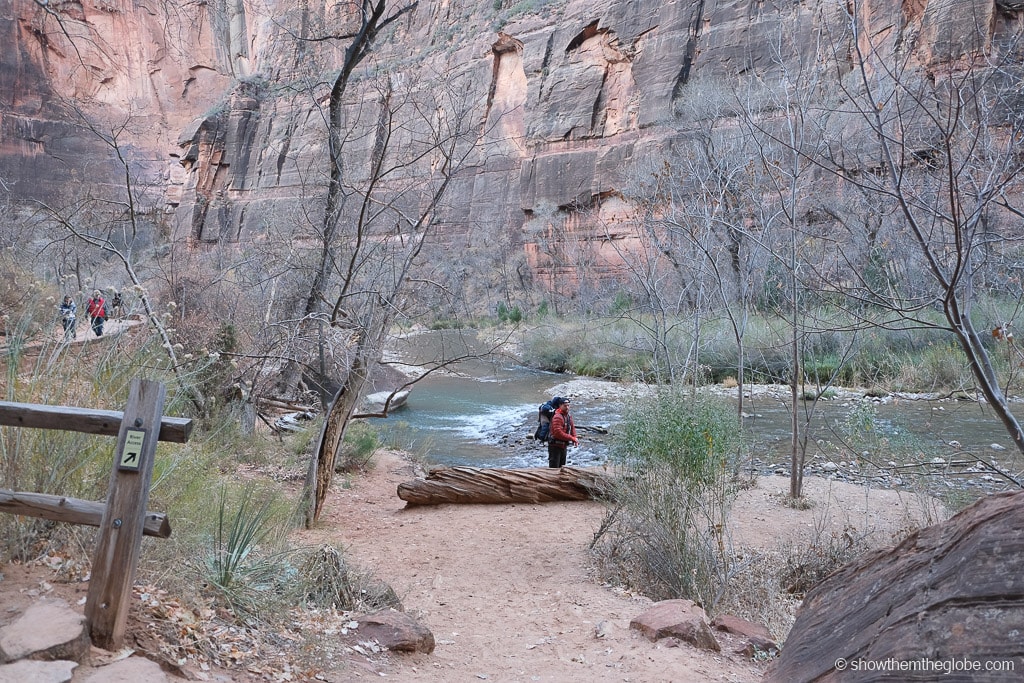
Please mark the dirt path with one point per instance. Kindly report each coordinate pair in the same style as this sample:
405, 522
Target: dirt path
505, 589
55, 343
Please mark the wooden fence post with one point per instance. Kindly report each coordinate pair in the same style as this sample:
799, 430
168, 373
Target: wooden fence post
117, 552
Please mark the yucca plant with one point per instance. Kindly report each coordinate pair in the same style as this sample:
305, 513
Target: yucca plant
237, 537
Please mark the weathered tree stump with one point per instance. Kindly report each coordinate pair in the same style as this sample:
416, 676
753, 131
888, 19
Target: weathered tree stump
479, 485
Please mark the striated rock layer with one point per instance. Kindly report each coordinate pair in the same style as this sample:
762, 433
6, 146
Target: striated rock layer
946, 603
219, 106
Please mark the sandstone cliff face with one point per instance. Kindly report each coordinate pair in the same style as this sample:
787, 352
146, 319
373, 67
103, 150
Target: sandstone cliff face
220, 104
137, 70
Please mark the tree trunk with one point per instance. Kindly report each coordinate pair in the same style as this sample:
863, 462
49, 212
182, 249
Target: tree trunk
476, 485
321, 467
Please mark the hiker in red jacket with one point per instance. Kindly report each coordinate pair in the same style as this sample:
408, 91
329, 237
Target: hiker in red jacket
96, 307
563, 432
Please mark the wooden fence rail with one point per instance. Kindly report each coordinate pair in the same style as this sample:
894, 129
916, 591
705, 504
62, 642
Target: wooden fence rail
73, 511
85, 420
123, 519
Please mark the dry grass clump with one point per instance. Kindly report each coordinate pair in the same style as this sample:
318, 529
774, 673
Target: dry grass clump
767, 586
755, 591
329, 581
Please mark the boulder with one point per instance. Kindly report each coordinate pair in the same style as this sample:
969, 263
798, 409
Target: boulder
756, 637
950, 594
681, 619
397, 631
374, 403
47, 630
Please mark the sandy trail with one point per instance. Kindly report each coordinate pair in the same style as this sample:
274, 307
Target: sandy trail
505, 589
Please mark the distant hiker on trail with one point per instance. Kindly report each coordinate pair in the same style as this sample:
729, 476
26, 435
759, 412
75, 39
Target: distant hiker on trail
96, 307
68, 309
116, 306
563, 432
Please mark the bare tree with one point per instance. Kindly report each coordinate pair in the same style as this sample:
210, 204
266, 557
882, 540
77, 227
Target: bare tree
113, 225
423, 136
708, 193
936, 140
786, 132
669, 263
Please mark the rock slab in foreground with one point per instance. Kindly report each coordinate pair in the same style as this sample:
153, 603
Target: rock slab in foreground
681, 619
950, 593
27, 671
48, 630
130, 670
756, 637
397, 631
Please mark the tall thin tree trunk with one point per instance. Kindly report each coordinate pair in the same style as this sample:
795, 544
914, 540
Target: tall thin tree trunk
796, 476
321, 469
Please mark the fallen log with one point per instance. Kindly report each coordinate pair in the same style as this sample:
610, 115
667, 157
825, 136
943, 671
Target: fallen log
528, 485
291, 406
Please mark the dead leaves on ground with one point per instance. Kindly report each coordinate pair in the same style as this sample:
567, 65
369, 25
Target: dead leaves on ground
195, 640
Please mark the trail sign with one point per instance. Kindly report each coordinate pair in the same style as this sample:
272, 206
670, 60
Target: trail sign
131, 456
120, 540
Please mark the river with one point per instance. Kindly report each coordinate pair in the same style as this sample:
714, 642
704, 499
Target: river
488, 421
484, 413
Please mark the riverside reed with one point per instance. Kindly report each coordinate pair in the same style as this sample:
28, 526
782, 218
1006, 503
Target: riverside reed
879, 359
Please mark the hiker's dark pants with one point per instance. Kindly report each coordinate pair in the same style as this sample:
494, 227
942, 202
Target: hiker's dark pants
556, 453
97, 326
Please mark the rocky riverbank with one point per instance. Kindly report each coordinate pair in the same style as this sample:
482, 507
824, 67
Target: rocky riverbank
945, 468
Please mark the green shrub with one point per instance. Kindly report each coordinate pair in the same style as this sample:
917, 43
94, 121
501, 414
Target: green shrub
815, 394
360, 443
664, 534
826, 369
512, 315
693, 438
447, 324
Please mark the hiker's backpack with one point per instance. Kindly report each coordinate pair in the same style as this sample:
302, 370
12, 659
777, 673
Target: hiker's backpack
544, 415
